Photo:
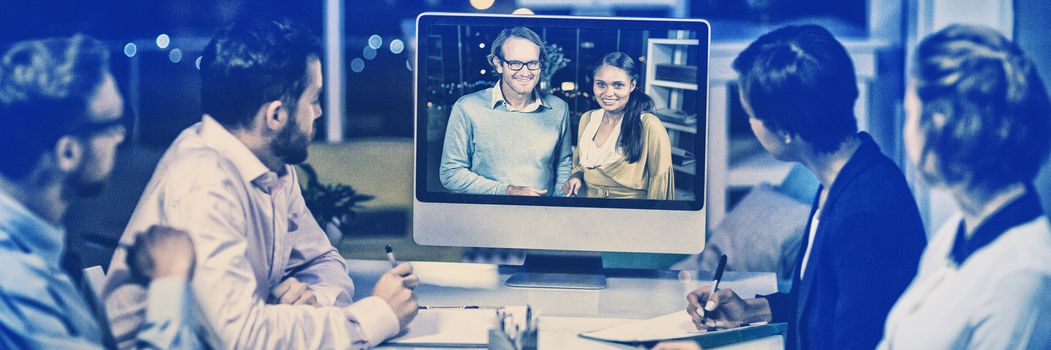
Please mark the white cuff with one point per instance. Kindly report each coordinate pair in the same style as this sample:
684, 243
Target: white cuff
167, 299
376, 319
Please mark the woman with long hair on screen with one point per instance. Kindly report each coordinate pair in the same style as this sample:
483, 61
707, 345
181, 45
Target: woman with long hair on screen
864, 236
622, 149
977, 124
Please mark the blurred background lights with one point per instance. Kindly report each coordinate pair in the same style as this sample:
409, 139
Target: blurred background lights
163, 40
522, 11
396, 46
175, 55
408, 65
483, 72
198, 62
568, 86
482, 4
357, 65
481, 45
130, 49
368, 52
375, 41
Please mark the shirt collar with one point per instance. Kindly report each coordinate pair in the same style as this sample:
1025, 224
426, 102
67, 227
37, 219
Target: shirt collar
498, 98
34, 234
1022, 210
247, 163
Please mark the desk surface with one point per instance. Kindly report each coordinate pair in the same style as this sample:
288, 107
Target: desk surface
632, 294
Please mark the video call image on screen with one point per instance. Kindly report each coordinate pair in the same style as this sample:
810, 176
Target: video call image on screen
577, 113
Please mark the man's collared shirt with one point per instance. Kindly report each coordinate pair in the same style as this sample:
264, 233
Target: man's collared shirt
498, 99
489, 145
251, 231
41, 307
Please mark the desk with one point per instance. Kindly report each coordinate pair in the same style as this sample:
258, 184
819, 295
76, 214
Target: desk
632, 294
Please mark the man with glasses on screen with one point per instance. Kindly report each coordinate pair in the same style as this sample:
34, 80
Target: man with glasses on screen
510, 139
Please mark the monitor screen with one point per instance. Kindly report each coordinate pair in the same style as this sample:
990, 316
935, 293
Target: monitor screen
561, 133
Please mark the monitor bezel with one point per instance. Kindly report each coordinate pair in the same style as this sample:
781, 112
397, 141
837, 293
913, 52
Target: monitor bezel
700, 26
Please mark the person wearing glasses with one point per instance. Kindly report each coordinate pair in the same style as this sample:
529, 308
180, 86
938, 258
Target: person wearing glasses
62, 112
977, 124
623, 150
511, 139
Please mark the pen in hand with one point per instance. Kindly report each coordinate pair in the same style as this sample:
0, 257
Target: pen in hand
390, 256
715, 287
465, 307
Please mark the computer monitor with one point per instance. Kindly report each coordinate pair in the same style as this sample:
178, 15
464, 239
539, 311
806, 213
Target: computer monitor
452, 61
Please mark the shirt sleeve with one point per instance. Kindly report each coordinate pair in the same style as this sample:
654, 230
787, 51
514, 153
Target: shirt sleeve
28, 321
314, 260
223, 274
780, 306
661, 182
1014, 314
169, 321
564, 155
455, 170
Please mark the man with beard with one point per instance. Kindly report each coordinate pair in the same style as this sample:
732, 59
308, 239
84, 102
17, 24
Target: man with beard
267, 276
509, 139
61, 115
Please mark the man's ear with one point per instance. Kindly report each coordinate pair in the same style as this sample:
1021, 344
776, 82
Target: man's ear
496, 65
275, 115
68, 152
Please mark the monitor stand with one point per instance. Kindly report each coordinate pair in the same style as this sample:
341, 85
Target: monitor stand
560, 270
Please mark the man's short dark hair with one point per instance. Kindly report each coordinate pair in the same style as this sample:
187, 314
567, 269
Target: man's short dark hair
253, 62
986, 116
46, 88
800, 80
497, 49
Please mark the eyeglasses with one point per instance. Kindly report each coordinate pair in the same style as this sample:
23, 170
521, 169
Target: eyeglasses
109, 127
517, 65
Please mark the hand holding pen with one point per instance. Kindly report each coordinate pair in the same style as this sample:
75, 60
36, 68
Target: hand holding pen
711, 301
713, 308
396, 288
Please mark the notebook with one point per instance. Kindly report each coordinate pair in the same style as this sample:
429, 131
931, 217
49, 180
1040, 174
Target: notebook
448, 328
678, 325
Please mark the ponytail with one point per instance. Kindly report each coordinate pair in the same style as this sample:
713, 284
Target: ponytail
631, 127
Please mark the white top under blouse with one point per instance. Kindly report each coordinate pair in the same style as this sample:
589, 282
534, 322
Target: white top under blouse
814, 221
591, 154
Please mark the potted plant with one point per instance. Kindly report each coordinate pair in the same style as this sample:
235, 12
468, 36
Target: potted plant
554, 59
332, 205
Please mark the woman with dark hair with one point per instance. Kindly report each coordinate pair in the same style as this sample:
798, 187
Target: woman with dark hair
864, 236
977, 124
622, 149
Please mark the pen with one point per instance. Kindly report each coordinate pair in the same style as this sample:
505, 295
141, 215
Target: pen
715, 287
465, 307
390, 256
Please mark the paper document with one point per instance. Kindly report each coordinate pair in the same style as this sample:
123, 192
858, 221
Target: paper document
448, 327
677, 325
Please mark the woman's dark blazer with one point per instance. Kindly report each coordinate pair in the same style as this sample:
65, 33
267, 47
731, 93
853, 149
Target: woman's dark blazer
866, 251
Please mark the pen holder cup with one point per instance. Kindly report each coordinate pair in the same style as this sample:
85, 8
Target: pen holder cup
502, 341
